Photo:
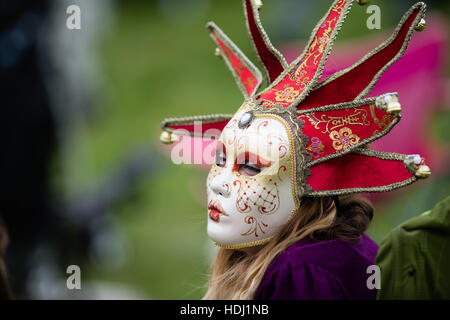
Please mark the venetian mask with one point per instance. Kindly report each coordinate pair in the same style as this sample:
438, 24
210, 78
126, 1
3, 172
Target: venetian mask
300, 136
250, 187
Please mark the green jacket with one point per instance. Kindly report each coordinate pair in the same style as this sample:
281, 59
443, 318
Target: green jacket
414, 258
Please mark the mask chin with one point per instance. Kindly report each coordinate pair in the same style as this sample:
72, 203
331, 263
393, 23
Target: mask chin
227, 243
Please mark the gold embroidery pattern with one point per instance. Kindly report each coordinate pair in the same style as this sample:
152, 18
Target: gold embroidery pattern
251, 82
316, 147
288, 95
339, 7
385, 121
319, 44
332, 123
268, 103
315, 51
343, 138
299, 75
300, 71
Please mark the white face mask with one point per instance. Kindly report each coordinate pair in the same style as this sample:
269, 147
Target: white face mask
251, 187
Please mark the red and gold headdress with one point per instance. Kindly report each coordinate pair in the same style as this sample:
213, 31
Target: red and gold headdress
332, 121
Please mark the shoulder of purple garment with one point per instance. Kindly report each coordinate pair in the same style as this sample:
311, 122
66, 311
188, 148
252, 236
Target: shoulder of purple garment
329, 255
300, 280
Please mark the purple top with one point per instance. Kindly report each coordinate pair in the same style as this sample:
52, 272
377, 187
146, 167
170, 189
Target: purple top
309, 270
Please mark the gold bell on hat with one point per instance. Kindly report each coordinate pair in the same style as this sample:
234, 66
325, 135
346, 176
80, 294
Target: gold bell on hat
167, 137
258, 3
423, 171
389, 103
416, 164
217, 53
421, 25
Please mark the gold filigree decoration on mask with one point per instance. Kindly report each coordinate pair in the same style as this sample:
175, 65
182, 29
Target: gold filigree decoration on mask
254, 226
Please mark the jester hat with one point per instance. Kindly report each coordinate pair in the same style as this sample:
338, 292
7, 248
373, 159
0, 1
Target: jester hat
332, 121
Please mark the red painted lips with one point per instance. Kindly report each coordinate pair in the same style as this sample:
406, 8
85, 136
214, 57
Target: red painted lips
215, 210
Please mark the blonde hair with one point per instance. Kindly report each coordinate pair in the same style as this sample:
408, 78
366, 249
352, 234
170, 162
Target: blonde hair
236, 274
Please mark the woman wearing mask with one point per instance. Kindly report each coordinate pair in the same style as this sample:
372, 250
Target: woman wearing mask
281, 194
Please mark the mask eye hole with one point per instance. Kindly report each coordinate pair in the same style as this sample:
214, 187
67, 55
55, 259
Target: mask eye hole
249, 169
220, 157
249, 164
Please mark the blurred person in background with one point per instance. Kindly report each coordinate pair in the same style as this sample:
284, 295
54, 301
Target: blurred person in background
32, 211
51, 83
5, 291
27, 134
414, 258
